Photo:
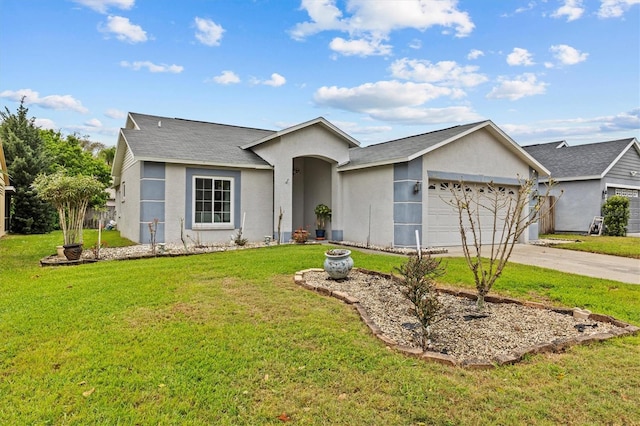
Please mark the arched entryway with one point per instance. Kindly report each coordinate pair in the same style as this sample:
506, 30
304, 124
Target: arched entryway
311, 186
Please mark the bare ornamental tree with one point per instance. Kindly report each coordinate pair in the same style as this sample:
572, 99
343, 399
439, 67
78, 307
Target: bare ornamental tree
504, 213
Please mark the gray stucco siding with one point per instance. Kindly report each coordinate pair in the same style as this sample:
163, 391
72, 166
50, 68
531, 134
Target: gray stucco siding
407, 213
367, 202
411, 170
153, 170
152, 190
152, 197
407, 202
405, 234
578, 204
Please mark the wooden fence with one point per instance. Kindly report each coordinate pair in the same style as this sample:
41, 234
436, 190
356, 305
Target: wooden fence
546, 222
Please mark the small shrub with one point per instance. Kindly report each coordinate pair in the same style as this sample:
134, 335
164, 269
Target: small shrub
418, 286
616, 216
239, 240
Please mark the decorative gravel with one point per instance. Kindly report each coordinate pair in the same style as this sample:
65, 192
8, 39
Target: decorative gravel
507, 329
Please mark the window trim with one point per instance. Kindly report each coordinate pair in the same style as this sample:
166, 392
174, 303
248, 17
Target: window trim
213, 225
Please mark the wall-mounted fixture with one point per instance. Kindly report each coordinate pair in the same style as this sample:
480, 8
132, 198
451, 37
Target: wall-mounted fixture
417, 187
604, 193
633, 173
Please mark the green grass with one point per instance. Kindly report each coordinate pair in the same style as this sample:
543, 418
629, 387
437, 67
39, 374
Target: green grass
616, 246
229, 339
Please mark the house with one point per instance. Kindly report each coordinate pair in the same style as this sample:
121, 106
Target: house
5, 191
588, 174
204, 181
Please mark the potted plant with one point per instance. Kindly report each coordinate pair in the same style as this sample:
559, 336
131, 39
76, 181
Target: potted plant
323, 213
70, 195
300, 235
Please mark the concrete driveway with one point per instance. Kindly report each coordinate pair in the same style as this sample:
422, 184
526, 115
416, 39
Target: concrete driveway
616, 268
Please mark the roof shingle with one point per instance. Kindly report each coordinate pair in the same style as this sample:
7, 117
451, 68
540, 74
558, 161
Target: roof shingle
577, 161
179, 140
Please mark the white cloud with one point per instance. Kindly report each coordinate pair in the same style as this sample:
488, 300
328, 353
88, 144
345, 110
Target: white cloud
57, 102
151, 67
475, 54
208, 32
93, 123
325, 16
103, 5
359, 47
276, 80
415, 44
523, 85
123, 30
115, 114
444, 72
375, 20
227, 77
567, 55
615, 8
572, 9
45, 123
583, 130
358, 129
379, 95
520, 56
417, 116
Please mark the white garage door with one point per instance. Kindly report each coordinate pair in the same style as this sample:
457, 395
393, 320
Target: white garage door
443, 224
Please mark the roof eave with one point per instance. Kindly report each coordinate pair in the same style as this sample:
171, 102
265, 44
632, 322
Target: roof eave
348, 167
206, 163
571, 178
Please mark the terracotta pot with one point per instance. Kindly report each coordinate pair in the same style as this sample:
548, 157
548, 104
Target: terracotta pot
73, 251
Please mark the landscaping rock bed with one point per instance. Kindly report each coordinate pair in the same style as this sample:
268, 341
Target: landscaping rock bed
511, 329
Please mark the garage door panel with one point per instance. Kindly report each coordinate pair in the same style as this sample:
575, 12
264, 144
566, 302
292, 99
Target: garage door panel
443, 221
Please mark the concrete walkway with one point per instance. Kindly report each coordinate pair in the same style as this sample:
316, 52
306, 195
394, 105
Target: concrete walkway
615, 268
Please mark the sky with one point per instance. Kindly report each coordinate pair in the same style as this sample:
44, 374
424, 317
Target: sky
542, 70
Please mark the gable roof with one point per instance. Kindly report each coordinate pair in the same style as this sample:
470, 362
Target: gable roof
580, 162
316, 121
409, 148
154, 138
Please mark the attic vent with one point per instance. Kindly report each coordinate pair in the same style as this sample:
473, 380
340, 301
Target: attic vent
159, 123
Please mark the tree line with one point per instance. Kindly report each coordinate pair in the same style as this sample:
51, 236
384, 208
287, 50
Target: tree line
31, 151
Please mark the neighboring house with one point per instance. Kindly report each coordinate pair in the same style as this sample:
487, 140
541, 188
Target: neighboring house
587, 175
5, 191
206, 180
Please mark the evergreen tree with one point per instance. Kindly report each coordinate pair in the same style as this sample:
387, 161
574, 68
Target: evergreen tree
26, 158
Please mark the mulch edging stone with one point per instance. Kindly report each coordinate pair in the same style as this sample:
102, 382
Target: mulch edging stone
560, 345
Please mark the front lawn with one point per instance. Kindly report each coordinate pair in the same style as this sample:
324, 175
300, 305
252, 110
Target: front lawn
229, 339
616, 246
